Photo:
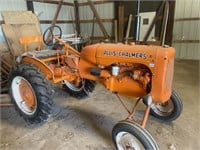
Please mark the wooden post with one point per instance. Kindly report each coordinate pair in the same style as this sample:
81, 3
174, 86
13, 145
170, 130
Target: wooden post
93, 24
91, 4
120, 22
5, 100
116, 29
29, 5
55, 19
57, 13
77, 19
170, 23
128, 27
164, 23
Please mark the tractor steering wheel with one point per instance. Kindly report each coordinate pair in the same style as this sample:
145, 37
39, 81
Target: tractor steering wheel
49, 33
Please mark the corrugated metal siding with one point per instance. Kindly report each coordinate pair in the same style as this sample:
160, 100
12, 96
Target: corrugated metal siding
47, 11
105, 11
187, 30
10, 5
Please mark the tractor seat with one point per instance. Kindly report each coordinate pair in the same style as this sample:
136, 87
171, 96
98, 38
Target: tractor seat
40, 54
25, 41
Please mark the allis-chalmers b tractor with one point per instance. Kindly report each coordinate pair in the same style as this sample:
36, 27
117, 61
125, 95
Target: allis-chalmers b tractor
137, 71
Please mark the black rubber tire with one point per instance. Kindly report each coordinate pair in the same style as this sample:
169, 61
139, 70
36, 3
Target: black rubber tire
174, 114
51, 34
42, 91
82, 92
143, 136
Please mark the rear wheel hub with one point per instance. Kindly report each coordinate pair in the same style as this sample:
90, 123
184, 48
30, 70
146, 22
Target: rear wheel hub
24, 95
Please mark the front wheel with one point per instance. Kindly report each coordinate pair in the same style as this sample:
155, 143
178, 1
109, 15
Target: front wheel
169, 110
31, 93
127, 135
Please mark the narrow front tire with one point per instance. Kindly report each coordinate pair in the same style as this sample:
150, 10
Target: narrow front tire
169, 110
127, 135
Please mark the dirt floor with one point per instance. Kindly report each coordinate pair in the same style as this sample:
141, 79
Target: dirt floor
87, 124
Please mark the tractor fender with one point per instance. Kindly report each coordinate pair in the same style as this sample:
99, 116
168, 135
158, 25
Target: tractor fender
27, 58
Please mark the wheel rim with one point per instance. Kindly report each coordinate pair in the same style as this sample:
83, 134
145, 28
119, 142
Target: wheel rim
164, 109
73, 87
127, 141
24, 95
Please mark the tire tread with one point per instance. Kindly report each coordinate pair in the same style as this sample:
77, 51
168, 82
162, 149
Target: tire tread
42, 91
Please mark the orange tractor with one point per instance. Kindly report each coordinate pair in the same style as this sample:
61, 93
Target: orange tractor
136, 71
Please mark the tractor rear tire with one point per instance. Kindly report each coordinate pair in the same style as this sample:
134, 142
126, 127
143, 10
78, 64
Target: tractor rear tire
31, 94
86, 87
128, 135
168, 111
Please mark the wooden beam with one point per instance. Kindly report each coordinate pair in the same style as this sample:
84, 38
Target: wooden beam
128, 27
170, 23
71, 21
72, 4
55, 19
57, 22
2, 22
54, 2
77, 19
7, 65
120, 22
186, 41
102, 20
97, 2
187, 19
164, 23
3, 70
116, 31
100, 38
91, 4
57, 12
93, 25
5, 98
29, 5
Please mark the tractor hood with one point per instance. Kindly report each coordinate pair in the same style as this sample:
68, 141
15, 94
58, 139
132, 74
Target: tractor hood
107, 54
159, 60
